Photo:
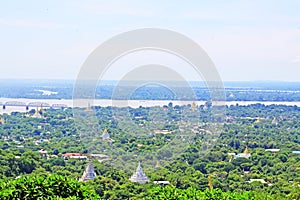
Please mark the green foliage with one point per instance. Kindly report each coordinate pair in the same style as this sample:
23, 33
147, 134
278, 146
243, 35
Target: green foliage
44, 187
172, 193
188, 173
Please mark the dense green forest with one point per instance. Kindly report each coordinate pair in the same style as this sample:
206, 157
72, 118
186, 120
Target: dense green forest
173, 143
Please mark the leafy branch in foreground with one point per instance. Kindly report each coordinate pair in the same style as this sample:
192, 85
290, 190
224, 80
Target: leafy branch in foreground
45, 187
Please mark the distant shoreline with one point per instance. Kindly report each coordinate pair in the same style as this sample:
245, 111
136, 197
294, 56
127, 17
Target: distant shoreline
43, 90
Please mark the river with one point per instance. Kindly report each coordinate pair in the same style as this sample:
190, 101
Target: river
120, 103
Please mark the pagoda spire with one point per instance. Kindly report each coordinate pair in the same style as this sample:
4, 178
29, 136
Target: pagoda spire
157, 164
246, 150
258, 120
37, 113
105, 134
210, 182
42, 109
89, 109
89, 173
139, 176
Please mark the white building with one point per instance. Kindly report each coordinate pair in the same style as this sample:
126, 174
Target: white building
246, 154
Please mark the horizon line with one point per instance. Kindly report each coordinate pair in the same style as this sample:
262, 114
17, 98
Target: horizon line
112, 80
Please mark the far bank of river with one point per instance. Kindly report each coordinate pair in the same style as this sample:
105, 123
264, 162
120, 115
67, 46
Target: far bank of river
120, 103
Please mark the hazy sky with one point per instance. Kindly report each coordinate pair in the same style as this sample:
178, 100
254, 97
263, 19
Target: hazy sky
247, 40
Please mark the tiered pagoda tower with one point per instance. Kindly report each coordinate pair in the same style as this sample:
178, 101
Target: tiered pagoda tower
37, 114
89, 173
105, 135
139, 176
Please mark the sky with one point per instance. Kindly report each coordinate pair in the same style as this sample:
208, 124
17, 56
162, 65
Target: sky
246, 40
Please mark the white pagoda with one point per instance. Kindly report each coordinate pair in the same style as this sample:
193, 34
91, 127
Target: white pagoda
89, 173
275, 121
139, 176
105, 135
37, 114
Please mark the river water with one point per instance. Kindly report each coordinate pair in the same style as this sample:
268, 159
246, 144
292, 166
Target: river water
120, 103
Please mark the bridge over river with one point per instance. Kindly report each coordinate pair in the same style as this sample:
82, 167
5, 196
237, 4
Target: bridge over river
29, 105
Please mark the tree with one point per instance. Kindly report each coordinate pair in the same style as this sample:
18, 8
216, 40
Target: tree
44, 187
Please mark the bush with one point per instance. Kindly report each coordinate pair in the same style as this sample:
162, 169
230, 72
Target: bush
45, 187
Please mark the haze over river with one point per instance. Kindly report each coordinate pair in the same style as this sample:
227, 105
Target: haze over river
120, 103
